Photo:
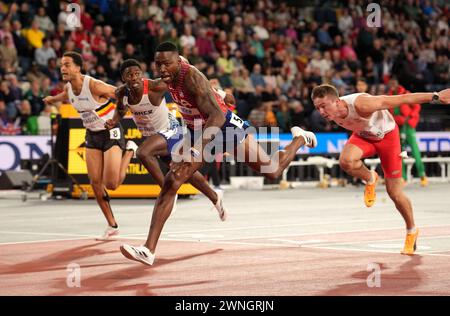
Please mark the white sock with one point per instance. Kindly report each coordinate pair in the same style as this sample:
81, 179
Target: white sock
412, 230
372, 178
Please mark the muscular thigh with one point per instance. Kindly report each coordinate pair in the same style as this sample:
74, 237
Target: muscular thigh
351, 152
155, 145
94, 164
250, 152
112, 160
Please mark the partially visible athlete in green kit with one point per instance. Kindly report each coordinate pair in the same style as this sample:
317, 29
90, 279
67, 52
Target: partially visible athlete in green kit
407, 117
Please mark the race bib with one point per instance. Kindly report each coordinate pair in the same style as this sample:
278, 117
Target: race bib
114, 133
168, 133
236, 120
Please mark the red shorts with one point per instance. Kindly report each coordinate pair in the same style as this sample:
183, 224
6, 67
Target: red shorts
388, 149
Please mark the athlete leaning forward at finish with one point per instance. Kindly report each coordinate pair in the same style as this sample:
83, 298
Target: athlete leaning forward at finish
212, 129
374, 132
107, 156
161, 130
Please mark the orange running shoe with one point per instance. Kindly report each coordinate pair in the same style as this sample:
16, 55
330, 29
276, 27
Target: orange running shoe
410, 243
369, 192
423, 181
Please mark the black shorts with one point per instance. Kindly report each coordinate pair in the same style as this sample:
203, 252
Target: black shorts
104, 140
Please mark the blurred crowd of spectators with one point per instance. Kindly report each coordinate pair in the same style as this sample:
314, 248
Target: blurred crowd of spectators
270, 54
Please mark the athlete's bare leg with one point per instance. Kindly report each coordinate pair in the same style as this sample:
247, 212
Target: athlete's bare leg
394, 187
94, 163
351, 162
258, 160
115, 166
153, 146
164, 204
156, 145
184, 171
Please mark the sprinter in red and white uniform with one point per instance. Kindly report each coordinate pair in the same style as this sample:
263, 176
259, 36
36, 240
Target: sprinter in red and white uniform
374, 132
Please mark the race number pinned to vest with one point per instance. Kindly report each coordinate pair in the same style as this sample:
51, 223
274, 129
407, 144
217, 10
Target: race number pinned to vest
114, 133
236, 120
168, 133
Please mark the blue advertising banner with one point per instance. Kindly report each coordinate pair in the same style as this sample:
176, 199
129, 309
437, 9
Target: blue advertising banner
327, 143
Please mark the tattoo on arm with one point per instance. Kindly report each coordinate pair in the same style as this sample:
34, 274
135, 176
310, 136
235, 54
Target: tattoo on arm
201, 89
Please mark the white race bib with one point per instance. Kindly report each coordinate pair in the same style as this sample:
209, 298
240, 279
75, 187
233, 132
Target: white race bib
114, 133
236, 120
168, 133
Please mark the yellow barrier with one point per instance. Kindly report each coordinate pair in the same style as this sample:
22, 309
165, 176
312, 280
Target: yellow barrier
138, 183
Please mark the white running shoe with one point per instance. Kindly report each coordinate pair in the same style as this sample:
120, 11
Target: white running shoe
132, 146
141, 254
109, 233
219, 206
309, 137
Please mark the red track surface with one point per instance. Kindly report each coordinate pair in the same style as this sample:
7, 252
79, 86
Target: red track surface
200, 268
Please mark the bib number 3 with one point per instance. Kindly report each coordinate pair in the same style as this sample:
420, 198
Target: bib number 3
236, 120
114, 133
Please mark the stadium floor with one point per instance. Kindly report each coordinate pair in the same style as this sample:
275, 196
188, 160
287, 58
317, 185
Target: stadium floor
302, 241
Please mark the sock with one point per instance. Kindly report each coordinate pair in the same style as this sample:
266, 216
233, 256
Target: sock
410, 231
372, 178
115, 226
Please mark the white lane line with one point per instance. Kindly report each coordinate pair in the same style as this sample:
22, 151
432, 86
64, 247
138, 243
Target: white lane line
386, 240
299, 242
321, 223
43, 241
218, 242
196, 236
328, 232
237, 243
42, 234
309, 247
375, 251
394, 246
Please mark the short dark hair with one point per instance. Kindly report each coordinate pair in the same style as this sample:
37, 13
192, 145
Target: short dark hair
362, 79
212, 76
129, 63
76, 57
167, 47
324, 90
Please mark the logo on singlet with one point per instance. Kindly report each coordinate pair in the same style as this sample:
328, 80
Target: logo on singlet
143, 113
83, 99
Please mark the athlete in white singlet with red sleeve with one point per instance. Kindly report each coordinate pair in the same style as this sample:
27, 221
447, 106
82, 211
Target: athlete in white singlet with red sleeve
160, 129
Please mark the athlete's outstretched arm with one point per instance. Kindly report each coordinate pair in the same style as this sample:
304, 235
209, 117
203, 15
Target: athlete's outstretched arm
61, 97
201, 89
102, 89
121, 109
367, 104
156, 87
